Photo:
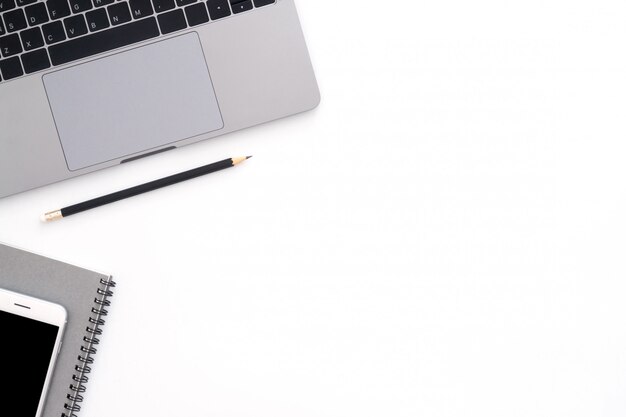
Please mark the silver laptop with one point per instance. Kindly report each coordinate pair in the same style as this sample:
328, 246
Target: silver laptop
89, 84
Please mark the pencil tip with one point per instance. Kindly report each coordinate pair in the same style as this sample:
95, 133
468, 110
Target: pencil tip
240, 159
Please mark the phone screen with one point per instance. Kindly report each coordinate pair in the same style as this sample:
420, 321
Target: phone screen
26, 349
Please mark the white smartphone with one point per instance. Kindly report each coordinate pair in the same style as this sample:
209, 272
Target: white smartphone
30, 340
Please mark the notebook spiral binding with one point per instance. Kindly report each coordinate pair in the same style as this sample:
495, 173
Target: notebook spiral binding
94, 328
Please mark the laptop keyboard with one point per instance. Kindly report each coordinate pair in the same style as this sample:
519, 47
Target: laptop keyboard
36, 35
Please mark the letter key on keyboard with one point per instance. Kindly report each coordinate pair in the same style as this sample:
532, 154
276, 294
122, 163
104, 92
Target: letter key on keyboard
99, 42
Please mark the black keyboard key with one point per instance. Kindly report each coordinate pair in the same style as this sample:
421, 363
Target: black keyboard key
100, 3
36, 14
97, 20
78, 6
31, 39
141, 8
2, 29
11, 68
22, 3
35, 61
14, 20
183, 3
119, 13
10, 45
241, 6
196, 14
106, 40
218, 9
6, 5
75, 26
172, 21
53, 32
163, 5
58, 9
261, 3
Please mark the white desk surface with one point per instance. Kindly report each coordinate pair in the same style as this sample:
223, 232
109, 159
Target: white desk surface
444, 236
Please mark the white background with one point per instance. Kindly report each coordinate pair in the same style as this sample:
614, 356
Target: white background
443, 236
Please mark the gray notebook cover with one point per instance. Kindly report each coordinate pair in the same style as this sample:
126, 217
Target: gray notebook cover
84, 294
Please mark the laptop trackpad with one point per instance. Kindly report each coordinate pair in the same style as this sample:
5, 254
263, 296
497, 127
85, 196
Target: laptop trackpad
133, 102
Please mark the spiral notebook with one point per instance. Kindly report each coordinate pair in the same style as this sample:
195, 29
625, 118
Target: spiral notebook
85, 295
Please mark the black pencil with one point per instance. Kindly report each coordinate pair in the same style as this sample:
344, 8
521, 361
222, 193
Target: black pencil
143, 188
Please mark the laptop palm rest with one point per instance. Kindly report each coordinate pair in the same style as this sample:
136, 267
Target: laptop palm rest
133, 102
